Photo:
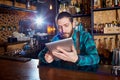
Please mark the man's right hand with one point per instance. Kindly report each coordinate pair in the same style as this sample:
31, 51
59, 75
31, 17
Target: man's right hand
49, 57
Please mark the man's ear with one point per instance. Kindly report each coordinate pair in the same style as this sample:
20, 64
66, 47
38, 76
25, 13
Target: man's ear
74, 24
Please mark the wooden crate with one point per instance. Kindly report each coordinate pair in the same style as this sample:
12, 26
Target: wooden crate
6, 2
20, 5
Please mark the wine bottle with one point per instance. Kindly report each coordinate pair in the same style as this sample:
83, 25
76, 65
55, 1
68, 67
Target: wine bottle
116, 3
105, 43
110, 43
103, 3
119, 3
99, 3
77, 7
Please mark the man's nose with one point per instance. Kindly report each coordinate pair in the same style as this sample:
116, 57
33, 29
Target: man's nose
63, 30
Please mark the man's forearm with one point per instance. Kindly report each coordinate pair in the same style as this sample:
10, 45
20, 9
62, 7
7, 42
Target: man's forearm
88, 60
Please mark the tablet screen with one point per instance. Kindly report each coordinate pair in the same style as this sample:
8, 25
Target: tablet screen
64, 43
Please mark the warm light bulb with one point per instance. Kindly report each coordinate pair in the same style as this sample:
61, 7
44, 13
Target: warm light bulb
50, 6
28, 4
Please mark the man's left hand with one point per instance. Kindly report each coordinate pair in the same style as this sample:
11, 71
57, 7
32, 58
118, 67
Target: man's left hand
65, 55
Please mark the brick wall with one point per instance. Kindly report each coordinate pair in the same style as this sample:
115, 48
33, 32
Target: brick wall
9, 19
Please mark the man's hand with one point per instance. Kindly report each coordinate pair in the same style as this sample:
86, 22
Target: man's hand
65, 55
49, 57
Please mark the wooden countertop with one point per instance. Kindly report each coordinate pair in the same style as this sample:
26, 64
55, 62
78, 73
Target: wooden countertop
15, 70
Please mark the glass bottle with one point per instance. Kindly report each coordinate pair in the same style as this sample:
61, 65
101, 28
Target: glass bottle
107, 53
117, 42
95, 40
110, 44
60, 8
105, 43
119, 3
82, 8
100, 51
99, 3
115, 2
77, 7
95, 30
103, 3
102, 28
100, 46
64, 7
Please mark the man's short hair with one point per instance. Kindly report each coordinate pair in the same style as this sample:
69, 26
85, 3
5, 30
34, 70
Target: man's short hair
64, 14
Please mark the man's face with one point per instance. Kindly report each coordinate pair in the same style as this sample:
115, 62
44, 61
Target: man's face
65, 27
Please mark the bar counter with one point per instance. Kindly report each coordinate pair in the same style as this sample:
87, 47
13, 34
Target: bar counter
16, 70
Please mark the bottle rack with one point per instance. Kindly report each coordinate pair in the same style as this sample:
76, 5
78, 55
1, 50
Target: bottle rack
110, 6
78, 8
105, 45
106, 36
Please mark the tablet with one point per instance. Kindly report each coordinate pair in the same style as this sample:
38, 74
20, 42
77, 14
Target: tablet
64, 43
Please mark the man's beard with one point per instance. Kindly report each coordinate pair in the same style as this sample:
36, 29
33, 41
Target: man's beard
63, 35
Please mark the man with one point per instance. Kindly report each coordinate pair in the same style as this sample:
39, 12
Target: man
87, 55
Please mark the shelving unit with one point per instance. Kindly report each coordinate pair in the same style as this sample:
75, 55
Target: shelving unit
80, 9
14, 5
100, 10
96, 34
109, 8
110, 39
81, 15
105, 16
16, 8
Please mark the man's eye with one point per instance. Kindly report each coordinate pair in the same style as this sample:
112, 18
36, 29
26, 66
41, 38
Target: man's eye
66, 25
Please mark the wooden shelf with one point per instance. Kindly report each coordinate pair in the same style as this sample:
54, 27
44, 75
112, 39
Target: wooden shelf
104, 9
16, 8
81, 15
96, 34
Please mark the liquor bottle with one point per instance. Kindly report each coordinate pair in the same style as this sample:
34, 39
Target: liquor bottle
72, 7
105, 43
77, 7
117, 42
101, 51
99, 3
60, 8
95, 28
115, 3
82, 8
106, 52
64, 7
96, 43
109, 3
119, 3
86, 6
110, 44
103, 3
100, 46
102, 28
